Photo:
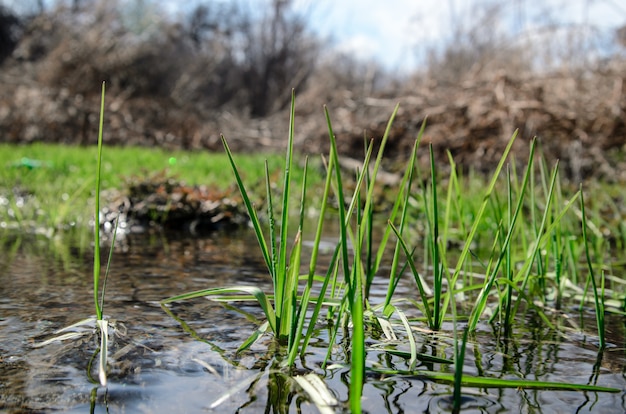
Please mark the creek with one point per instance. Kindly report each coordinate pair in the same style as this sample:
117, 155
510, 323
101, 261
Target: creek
157, 366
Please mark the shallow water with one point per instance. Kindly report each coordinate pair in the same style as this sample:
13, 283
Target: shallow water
156, 366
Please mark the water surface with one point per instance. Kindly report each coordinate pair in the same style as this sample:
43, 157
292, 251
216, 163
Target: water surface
157, 366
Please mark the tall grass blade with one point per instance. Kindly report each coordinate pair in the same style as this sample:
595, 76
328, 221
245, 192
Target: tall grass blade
405, 186
313, 264
598, 298
352, 275
418, 279
253, 291
96, 257
102, 324
488, 382
379, 156
284, 284
254, 219
433, 242
459, 360
108, 266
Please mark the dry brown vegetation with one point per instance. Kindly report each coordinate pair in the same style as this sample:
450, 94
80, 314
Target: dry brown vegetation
181, 82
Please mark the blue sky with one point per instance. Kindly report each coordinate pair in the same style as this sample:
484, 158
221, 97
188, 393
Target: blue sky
392, 31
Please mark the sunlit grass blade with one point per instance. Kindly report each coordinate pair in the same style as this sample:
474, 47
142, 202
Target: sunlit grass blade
357, 274
416, 276
338, 188
354, 297
258, 333
103, 326
318, 392
379, 156
290, 299
433, 244
598, 298
400, 206
454, 203
405, 187
108, 265
257, 293
330, 275
254, 219
459, 348
304, 301
96, 256
284, 284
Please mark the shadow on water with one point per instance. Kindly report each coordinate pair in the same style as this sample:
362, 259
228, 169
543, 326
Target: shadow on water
158, 364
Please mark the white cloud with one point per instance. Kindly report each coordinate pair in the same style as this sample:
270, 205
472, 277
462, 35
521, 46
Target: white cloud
396, 32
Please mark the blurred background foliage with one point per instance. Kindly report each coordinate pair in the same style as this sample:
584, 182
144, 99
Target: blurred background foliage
178, 78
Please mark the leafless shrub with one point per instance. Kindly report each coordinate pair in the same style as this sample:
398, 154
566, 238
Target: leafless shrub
90, 48
477, 47
279, 55
246, 61
9, 27
219, 54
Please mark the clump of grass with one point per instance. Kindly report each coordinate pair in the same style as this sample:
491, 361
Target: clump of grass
285, 309
515, 273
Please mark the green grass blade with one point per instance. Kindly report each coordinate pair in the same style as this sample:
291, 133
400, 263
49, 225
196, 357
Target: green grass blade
485, 382
96, 256
313, 265
289, 299
108, 265
257, 293
357, 357
459, 360
273, 253
540, 238
259, 332
405, 185
433, 243
597, 298
332, 268
256, 224
338, 186
479, 214
379, 156
281, 289
416, 276
410, 337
